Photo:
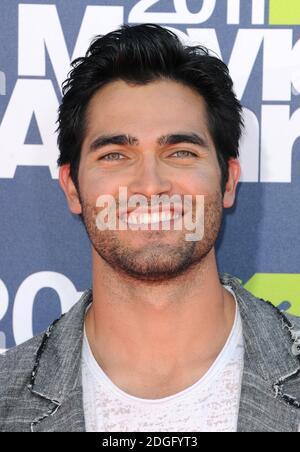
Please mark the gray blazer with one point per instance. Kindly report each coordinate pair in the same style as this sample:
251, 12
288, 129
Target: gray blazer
41, 389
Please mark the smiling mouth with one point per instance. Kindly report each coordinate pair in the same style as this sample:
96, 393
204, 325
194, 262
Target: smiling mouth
137, 219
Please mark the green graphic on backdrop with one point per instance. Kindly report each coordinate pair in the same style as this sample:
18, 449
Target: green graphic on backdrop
280, 289
284, 12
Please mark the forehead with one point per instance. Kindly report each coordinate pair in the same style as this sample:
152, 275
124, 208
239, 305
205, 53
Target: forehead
162, 102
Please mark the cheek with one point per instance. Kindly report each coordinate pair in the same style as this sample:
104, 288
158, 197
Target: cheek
93, 184
203, 182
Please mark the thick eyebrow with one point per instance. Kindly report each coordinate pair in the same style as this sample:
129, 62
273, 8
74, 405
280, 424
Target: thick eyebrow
165, 140
178, 138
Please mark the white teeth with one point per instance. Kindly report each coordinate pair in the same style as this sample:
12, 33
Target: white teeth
139, 219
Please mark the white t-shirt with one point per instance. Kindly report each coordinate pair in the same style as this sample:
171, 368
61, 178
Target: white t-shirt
209, 405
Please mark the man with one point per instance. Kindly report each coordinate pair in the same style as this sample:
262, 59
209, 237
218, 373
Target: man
161, 342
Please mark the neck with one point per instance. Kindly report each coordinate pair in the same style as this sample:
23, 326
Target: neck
158, 329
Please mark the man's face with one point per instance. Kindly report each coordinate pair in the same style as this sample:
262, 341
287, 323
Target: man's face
148, 168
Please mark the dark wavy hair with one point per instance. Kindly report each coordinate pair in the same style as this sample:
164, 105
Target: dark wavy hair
141, 54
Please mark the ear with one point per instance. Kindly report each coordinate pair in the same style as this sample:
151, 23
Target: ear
234, 172
68, 186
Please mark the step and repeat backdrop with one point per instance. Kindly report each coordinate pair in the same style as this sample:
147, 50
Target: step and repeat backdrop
44, 251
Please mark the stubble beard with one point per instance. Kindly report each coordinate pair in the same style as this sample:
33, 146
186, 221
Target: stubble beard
155, 261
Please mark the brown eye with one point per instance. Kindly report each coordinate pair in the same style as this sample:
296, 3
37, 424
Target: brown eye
114, 157
185, 154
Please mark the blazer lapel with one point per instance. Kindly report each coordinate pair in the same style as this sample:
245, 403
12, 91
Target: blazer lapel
56, 383
270, 393
67, 417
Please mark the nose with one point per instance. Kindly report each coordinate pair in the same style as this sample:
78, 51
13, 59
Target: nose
150, 179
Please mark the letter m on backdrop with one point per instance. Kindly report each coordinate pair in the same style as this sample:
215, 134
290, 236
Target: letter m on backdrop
40, 29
